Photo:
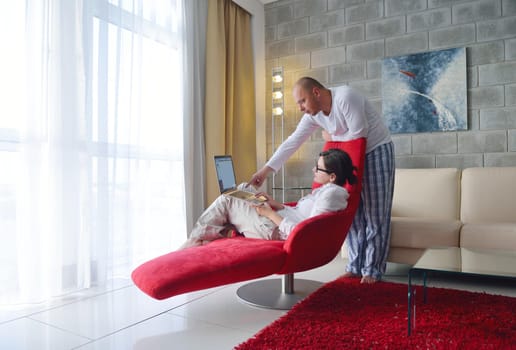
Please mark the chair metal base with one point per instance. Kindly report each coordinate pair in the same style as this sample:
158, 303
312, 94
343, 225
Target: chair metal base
272, 294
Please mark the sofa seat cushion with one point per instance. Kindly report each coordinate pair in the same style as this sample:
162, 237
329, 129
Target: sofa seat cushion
224, 261
489, 236
407, 256
424, 232
476, 260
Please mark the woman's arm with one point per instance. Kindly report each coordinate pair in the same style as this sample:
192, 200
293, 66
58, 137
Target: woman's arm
268, 212
328, 198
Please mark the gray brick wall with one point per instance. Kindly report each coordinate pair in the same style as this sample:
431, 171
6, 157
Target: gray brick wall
344, 41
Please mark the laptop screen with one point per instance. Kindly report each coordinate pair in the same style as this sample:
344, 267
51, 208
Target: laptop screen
225, 173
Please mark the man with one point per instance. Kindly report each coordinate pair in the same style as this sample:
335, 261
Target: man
344, 114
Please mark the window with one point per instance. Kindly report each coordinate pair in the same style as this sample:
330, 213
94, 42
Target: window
136, 97
91, 142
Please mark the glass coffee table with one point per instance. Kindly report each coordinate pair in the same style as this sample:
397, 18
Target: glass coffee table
460, 261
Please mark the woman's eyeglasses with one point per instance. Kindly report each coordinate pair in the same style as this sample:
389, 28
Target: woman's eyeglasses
323, 170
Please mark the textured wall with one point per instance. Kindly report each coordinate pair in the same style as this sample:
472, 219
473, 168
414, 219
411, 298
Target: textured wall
343, 42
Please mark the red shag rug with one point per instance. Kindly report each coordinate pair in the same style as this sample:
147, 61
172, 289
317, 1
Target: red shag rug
345, 314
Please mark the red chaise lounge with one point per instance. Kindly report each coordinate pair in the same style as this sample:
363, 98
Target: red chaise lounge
313, 243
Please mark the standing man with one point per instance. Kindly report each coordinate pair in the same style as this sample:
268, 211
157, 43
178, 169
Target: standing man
344, 114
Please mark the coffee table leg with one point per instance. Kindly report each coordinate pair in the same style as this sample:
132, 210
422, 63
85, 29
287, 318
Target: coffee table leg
414, 306
409, 303
424, 287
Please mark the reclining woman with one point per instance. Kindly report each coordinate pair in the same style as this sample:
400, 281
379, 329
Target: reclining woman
273, 220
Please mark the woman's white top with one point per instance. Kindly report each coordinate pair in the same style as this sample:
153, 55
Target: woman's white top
327, 198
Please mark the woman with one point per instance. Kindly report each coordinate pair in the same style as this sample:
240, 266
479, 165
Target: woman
273, 220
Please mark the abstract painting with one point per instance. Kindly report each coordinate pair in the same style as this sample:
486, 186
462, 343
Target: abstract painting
425, 92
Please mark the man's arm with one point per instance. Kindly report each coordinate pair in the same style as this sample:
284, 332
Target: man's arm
304, 129
259, 177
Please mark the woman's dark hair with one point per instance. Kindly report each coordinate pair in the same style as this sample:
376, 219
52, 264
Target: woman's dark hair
339, 162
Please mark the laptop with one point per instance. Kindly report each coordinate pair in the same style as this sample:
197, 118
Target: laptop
227, 181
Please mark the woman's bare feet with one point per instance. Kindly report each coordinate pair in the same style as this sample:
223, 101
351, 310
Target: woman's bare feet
368, 279
350, 275
191, 242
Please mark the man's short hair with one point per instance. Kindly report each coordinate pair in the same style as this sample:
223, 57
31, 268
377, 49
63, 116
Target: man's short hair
308, 83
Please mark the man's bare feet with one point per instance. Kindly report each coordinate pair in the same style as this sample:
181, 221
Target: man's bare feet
368, 279
350, 274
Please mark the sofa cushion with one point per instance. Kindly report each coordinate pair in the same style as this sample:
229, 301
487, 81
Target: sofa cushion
402, 255
488, 195
476, 260
427, 193
424, 233
488, 236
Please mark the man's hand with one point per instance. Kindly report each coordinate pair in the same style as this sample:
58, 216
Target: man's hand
326, 135
259, 177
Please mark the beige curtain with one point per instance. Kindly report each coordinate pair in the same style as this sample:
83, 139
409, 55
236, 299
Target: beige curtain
229, 117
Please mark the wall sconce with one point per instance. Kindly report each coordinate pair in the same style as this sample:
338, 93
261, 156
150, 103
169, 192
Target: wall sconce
277, 76
276, 95
277, 111
277, 91
277, 123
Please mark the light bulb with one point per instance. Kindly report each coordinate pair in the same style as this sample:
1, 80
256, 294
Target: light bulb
277, 78
277, 95
277, 111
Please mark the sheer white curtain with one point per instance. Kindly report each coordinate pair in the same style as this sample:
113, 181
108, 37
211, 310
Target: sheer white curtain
194, 58
91, 142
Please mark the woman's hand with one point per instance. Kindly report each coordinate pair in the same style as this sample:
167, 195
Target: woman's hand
275, 205
264, 210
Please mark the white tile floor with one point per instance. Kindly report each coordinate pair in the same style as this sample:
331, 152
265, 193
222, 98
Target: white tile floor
122, 317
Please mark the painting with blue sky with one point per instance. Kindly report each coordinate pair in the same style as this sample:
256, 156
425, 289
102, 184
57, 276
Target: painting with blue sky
425, 92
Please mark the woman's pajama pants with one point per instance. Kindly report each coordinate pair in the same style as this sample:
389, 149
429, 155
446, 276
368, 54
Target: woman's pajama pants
225, 211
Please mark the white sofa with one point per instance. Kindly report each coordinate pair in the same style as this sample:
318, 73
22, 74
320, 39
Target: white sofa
472, 208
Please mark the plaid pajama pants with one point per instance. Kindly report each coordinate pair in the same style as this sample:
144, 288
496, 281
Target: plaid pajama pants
368, 239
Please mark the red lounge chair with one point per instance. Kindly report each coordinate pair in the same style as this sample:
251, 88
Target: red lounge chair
313, 243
